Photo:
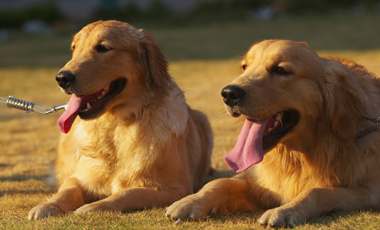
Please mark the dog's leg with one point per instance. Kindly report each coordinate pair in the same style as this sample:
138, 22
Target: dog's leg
218, 196
68, 198
132, 199
315, 202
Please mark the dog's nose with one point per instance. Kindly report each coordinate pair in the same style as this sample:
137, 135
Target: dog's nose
65, 79
232, 95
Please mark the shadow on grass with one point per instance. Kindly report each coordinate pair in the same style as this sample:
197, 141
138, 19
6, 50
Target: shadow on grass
216, 174
26, 192
21, 184
20, 178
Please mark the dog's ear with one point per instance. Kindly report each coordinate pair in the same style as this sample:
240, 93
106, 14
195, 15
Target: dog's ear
342, 100
154, 61
304, 43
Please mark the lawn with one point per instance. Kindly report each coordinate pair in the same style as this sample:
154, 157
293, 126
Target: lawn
203, 58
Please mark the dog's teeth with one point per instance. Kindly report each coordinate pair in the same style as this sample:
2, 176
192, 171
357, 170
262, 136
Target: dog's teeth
270, 130
106, 88
279, 116
276, 123
88, 106
103, 93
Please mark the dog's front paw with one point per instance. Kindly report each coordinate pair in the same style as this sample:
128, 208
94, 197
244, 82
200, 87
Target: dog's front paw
96, 207
189, 208
280, 217
44, 210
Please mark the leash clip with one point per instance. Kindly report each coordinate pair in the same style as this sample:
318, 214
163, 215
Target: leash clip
26, 106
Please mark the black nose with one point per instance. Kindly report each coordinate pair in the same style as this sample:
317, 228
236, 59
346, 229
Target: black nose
65, 79
232, 95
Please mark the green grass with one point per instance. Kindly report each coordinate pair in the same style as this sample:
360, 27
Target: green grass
211, 41
203, 59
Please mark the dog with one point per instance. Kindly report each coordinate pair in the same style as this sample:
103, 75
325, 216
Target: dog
137, 144
309, 144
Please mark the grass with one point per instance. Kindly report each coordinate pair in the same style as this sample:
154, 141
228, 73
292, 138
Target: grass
212, 40
203, 59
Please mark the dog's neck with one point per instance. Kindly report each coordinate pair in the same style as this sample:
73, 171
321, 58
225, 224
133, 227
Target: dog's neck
154, 120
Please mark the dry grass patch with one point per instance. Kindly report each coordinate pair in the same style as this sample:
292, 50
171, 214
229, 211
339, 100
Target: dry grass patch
29, 142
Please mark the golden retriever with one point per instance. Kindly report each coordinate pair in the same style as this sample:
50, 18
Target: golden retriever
137, 143
310, 140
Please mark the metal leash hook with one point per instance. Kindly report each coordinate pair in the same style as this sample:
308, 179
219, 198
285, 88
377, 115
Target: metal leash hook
12, 102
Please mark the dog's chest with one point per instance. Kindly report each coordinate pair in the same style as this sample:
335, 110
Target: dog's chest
114, 160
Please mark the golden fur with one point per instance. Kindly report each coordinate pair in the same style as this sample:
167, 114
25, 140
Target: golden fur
321, 165
147, 148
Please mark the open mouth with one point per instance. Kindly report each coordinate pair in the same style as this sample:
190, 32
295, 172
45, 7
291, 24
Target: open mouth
259, 136
278, 126
89, 106
93, 104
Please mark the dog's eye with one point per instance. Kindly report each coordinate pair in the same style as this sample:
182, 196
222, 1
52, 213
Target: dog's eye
243, 67
72, 46
102, 48
280, 71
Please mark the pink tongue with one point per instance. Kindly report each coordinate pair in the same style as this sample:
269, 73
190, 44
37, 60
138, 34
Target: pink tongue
249, 148
67, 118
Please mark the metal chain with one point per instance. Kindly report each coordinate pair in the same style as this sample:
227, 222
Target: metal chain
26, 106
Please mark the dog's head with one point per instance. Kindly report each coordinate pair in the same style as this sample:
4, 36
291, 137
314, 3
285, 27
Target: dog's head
114, 66
284, 90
